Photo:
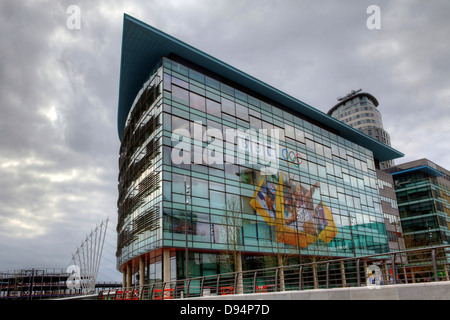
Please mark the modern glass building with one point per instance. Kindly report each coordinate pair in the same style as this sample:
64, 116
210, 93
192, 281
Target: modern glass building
423, 195
359, 110
219, 169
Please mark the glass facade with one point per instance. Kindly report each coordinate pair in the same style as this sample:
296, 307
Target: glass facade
359, 110
423, 197
195, 173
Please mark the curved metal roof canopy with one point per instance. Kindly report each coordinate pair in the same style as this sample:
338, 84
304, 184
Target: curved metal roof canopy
144, 45
360, 94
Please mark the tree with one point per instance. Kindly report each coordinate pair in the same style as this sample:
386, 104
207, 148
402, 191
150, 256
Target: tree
233, 227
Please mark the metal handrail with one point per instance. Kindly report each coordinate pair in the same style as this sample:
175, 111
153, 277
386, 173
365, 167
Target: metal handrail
434, 260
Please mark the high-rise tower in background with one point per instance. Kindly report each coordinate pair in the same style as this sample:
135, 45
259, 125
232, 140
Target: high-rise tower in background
359, 110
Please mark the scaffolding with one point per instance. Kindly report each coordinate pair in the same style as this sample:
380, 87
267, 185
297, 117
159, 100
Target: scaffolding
42, 283
34, 283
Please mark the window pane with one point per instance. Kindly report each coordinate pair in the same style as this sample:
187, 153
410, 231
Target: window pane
212, 83
178, 183
256, 123
290, 132
213, 108
227, 89
228, 106
217, 199
167, 82
167, 190
180, 94
179, 123
197, 76
246, 207
180, 82
200, 188
198, 102
241, 112
204, 230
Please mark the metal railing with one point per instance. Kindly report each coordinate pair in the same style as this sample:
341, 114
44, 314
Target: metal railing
411, 266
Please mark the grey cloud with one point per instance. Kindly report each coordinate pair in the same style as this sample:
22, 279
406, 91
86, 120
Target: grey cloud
57, 170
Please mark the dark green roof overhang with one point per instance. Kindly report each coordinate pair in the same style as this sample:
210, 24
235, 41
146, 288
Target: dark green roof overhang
143, 46
426, 169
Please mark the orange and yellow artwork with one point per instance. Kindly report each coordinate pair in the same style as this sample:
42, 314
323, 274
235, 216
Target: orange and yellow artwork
290, 208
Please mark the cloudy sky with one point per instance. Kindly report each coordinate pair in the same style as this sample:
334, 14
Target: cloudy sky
59, 92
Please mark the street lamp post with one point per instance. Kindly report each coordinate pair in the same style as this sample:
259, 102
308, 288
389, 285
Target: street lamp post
186, 194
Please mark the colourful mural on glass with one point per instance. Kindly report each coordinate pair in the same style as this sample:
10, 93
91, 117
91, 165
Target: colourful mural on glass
289, 207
